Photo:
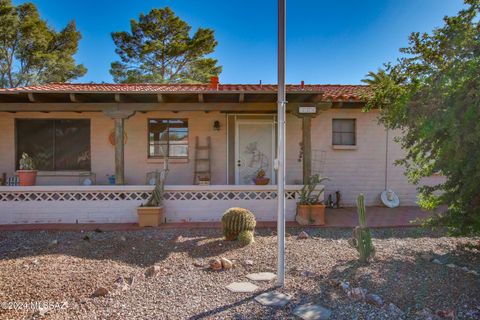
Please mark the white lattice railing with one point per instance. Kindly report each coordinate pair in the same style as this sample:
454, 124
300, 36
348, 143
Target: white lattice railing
141, 193
104, 204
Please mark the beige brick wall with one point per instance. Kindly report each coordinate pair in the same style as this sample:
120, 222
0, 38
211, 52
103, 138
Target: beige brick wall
137, 163
351, 171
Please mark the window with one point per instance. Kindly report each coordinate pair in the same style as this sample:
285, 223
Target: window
343, 132
168, 137
55, 145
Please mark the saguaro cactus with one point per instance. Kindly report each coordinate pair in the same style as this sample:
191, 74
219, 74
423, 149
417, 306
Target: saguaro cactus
362, 239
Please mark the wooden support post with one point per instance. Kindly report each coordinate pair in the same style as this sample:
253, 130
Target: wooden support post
307, 147
119, 118
119, 151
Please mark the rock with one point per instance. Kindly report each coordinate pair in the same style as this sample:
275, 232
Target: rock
450, 314
122, 238
198, 264
394, 310
152, 271
226, 264
130, 280
374, 299
100, 292
425, 314
303, 235
357, 293
308, 274
464, 269
345, 285
53, 242
436, 261
475, 273
216, 264
427, 256
41, 312
249, 262
451, 265
35, 262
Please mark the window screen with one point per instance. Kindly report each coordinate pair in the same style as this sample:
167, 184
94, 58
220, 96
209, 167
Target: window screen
168, 137
55, 145
343, 132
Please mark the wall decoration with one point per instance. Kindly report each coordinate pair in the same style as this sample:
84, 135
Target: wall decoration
111, 137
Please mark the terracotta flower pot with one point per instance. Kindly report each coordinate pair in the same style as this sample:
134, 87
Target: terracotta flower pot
311, 214
150, 216
27, 177
261, 181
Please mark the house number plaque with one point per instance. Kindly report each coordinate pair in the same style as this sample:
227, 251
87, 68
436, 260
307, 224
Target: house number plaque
307, 110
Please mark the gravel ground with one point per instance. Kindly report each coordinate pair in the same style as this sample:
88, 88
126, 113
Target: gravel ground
63, 269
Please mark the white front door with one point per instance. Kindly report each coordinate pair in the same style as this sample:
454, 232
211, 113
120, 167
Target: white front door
254, 150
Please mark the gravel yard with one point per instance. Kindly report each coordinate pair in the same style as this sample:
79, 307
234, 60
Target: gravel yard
64, 269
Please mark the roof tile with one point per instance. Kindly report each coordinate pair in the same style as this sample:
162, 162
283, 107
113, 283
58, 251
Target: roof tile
333, 92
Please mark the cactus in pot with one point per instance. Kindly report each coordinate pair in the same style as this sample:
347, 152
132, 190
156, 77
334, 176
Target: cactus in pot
362, 239
152, 213
236, 221
27, 174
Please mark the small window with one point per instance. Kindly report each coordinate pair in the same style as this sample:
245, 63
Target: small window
343, 133
55, 145
168, 137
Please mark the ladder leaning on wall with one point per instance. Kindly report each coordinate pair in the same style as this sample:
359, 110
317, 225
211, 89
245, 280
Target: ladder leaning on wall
202, 169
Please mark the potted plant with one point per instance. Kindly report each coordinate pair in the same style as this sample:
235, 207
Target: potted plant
311, 210
152, 213
260, 179
27, 175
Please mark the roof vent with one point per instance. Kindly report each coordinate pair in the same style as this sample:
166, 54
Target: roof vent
214, 82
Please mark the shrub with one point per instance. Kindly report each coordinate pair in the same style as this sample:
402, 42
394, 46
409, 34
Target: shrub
236, 220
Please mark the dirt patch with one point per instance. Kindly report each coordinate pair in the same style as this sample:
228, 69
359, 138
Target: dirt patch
63, 269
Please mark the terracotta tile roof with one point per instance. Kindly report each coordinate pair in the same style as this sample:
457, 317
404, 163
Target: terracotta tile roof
333, 92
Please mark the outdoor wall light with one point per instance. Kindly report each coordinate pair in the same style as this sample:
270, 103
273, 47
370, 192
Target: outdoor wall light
216, 125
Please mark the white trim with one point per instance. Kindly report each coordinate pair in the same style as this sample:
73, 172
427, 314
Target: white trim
237, 144
344, 147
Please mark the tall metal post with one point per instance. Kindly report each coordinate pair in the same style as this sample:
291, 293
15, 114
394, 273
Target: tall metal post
281, 99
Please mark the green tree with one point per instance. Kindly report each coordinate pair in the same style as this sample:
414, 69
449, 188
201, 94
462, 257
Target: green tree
31, 52
159, 49
432, 95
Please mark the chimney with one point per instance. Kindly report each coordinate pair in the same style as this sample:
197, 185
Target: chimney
214, 82
302, 85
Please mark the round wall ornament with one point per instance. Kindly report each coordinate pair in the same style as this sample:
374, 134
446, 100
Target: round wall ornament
111, 137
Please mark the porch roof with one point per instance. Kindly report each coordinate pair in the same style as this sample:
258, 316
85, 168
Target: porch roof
177, 97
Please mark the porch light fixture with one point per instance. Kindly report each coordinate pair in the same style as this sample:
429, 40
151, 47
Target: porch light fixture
216, 125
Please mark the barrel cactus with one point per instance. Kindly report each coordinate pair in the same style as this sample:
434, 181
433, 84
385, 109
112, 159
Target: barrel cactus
246, 238
362, 239
236, 220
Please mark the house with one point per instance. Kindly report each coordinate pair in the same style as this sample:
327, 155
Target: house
75, 133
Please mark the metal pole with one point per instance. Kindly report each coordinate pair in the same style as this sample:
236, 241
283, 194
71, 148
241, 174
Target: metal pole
281, 144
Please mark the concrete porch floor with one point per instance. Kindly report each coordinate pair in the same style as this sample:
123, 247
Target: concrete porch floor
377, 217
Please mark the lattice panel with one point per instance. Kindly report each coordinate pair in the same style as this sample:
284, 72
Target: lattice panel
74, 196
142, 196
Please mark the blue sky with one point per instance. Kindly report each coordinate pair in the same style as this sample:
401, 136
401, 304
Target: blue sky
336, 41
